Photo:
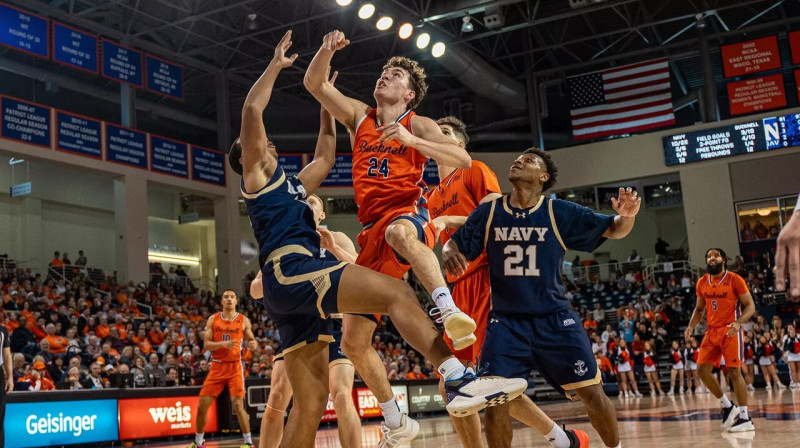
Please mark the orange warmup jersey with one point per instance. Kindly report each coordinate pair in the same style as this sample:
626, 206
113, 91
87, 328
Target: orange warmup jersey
386, 175
227, 330
722, 297
459, 194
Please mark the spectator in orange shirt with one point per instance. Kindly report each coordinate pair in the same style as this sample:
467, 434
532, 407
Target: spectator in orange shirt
590, 324
156, 335
416, 373
56, 263
38, 378
606, 369
142, 341
102, 330
38, 330
58, 344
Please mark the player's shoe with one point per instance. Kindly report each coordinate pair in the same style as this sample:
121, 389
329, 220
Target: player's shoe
471, 393
461, 344
246, 445
638, 394
781, 386
195, 445
457, 324
577, 438
750, 387
742, 425
729, 415
408, 430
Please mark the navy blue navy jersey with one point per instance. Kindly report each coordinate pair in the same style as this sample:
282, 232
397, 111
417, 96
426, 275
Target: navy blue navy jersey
526, 250
280, 215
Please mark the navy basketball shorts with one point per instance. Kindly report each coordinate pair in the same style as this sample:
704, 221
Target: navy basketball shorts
300, 292
335, 353
298, 331
556, 345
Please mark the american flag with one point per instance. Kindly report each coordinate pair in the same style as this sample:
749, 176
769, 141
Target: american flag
621, 100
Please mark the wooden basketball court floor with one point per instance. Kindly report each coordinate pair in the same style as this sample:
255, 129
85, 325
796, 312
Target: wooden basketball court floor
661, 422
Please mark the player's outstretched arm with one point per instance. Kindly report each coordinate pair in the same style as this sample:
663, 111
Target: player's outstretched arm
697, 314
427, 138
345, 109
257, 162
787, 256
627, 206
257, 286
325, 152
454, 261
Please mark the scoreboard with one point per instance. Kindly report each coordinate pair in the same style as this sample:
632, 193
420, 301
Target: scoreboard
743, 138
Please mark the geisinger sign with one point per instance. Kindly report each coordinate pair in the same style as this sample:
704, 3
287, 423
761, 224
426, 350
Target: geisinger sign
54, 423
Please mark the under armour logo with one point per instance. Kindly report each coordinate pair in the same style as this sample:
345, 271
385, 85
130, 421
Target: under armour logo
580, 368
519, 214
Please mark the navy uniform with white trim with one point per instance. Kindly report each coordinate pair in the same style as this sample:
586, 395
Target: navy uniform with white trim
532, 324
296, 282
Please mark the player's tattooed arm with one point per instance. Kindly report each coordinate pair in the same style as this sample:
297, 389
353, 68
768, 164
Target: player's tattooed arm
697, 314
627, 206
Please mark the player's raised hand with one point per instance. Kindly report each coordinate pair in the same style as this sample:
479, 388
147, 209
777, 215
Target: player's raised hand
397, 132
335, 41
326, 238
787, 258
628, 203
280, 51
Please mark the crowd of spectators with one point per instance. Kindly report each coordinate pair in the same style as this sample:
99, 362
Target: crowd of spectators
85, 334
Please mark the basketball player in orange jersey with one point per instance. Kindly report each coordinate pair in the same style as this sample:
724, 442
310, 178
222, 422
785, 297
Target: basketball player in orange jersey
720, 293
391, 145
341, 373
459, 192
223, 337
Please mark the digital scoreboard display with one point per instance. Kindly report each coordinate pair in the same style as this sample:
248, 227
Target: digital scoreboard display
743, 138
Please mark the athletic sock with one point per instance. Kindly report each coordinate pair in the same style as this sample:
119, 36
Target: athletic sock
451, 368
618, 446
743, 413
391, 413
557, 437
198, 438
441, 296
726, 403
248, 438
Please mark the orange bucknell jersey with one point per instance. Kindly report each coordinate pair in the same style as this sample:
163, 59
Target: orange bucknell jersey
722, 297
227, 330
459, 194
386, 175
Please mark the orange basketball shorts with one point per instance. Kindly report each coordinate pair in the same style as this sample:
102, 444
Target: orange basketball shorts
472, 295
717, 344
223, 374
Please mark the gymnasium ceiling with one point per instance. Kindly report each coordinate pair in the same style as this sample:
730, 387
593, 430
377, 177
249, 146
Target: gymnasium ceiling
551, 39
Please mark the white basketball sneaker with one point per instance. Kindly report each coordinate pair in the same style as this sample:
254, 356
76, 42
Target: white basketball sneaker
457, 324
470, 393
408, 430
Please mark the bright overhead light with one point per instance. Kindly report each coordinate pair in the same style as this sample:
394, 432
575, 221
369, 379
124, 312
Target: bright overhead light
438, 49
384, 23
467, 26
173, 258
406, 30
343, 2
423, 40
366, 11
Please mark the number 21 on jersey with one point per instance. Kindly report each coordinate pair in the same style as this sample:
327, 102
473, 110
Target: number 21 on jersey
519, 262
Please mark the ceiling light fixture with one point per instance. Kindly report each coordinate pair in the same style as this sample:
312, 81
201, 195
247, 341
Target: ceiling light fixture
438, 49
423, 40
406, 30
466, 25
343, 2
384, 23
366, 11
